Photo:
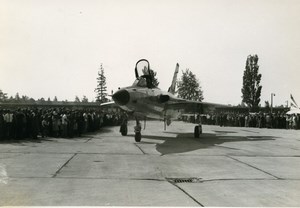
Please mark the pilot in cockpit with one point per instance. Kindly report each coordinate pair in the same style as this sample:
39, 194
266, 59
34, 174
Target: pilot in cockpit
142, 82
145, 80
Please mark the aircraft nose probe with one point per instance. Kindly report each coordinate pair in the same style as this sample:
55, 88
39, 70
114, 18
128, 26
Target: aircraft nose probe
121, 97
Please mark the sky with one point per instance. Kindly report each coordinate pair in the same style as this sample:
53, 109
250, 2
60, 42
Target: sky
55, 47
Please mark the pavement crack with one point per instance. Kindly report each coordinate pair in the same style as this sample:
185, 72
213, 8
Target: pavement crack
58, 171
244, 179
231, 148
254, 167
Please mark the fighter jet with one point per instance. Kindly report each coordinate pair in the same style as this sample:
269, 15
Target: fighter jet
144, 100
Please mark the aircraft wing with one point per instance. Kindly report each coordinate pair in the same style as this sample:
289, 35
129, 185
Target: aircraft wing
111, 103
192, 107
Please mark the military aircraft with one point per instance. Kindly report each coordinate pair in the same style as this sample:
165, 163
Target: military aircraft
144, 100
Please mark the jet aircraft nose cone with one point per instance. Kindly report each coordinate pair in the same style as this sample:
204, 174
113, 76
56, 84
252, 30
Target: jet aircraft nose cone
121, 97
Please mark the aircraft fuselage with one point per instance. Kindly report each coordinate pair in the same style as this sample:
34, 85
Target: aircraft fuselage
145, 102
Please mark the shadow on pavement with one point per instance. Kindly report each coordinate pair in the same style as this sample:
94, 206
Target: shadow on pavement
53, 139
185, 142
27, 140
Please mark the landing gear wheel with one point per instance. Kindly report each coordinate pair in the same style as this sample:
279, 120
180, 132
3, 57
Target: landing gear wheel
137, 136
197, 131
123, 130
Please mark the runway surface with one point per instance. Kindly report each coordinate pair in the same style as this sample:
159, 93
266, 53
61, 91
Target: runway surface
227, 166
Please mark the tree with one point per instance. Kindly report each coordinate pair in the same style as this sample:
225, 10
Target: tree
85, 99
154, 78
251, 89
101, 86
11, 99
189, 87
3, 96
267, 106
55, 99
17, 97
41, 100
77, 100
25, 98
31, 100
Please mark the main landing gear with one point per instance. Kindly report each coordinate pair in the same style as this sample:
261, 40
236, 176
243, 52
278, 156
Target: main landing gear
197, 131
137, 130
123, 129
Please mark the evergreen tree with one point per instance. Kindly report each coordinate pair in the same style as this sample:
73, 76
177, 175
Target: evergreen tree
154, 78
251, 83
55, 99
17, 98
11, 99
189, 87
101, 86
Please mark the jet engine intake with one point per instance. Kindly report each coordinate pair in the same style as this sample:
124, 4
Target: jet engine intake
121, 97
163, 98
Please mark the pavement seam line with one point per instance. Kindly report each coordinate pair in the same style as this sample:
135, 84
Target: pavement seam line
88, 140
146, 179
186, 193
204, 155
254, 167
58, 171
140, 148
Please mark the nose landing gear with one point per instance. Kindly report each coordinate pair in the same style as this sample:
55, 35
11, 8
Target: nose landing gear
137, 131
123, 127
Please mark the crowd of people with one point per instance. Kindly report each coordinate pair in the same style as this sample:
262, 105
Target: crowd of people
52, 122
67, 123
258, 120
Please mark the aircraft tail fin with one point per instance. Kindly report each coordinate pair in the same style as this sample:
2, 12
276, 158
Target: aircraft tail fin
174, 81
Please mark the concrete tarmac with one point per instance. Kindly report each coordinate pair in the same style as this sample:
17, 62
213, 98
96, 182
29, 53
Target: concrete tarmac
227, 166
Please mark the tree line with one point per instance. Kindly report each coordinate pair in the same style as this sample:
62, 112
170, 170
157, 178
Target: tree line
4, 98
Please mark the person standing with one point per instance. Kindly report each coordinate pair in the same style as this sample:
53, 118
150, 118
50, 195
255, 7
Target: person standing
247, 119
19, 124
268, 121
80, 122
55, 127
1, 125
64, 125
294, 121
8, 123
34, 125
45, 126
71, 124
85, 124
